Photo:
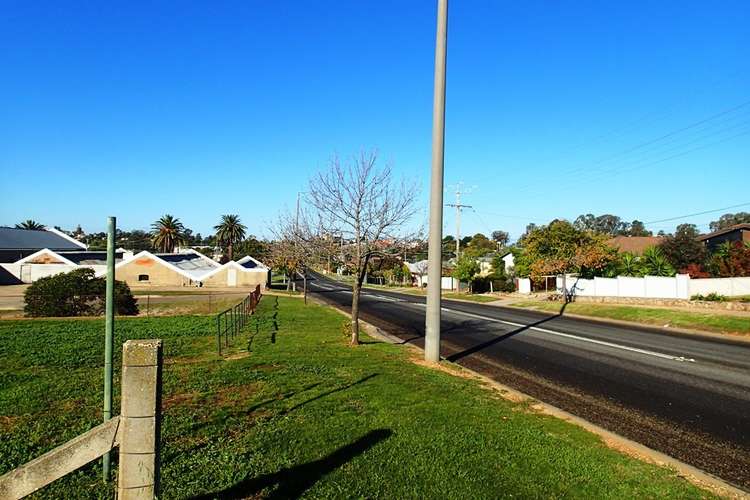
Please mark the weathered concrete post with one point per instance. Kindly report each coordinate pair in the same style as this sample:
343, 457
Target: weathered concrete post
140, 420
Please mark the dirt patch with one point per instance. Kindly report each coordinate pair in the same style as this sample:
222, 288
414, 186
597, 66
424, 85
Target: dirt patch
181, 399
235, 394
8, 423
237, 355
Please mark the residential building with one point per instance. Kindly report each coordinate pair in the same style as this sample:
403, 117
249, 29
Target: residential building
738, 232
15, 244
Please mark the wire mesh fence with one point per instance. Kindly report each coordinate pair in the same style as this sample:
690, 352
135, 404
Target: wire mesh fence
230, 322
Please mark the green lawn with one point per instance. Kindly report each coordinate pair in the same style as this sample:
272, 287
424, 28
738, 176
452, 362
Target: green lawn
304, 415
711, 321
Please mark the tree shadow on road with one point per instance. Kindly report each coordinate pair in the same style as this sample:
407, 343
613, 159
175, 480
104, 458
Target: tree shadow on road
292, 482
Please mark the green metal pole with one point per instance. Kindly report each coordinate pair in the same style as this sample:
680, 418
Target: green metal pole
109, 329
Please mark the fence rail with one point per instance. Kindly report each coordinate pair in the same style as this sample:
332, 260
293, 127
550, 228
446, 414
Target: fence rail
230, 322
135, 431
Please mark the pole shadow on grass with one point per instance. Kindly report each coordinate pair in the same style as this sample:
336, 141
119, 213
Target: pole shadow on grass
292, 482
462, 354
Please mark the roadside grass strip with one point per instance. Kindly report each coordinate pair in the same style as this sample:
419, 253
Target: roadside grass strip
710, 321
304, 414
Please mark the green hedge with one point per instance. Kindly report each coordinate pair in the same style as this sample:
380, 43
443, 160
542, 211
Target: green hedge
77, 293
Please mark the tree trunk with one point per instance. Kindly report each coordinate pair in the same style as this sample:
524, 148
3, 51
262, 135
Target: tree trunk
230, 251
356, 288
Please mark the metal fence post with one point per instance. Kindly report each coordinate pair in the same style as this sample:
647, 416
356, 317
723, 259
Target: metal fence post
225, 314
140, 418
218, 332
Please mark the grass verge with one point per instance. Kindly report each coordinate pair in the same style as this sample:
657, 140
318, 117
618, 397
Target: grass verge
303, 414
710, 321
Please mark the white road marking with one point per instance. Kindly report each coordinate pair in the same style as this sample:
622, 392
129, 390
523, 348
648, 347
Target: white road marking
575, 337
544, 330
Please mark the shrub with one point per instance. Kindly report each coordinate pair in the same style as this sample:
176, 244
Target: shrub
695, 271
711, 297
77, 293
731, 260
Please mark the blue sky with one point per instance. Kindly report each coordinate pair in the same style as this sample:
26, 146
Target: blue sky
197, 109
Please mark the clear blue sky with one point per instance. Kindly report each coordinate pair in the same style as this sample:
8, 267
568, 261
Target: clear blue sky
203, 108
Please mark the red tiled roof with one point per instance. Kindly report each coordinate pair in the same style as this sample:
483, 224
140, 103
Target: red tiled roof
634, 244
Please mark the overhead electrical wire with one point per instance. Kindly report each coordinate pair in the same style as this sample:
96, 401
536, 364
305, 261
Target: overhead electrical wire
698, 213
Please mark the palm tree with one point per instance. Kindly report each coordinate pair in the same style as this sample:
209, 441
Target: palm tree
628, 265
230, 231
30, 224
655, 264
168, 232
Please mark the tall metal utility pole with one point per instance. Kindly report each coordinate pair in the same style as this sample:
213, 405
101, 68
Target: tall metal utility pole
434, 252
109, 329
458, 206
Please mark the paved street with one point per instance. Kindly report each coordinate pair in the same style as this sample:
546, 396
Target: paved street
687, 396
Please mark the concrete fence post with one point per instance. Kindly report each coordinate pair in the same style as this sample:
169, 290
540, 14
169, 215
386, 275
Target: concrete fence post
140, 420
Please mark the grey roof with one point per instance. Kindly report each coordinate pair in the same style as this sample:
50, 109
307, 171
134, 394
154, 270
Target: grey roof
193, 264
28, 239
90, 258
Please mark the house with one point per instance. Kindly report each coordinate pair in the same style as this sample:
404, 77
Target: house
509, 262
738, 232
47, 262
634, 244
15, 244
246, 272
189, 268
165, 269
418, 272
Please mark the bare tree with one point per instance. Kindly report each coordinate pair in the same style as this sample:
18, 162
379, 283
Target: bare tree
359, 201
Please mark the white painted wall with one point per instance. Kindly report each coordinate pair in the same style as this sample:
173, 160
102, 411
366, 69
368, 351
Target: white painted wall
509, 262
446, 282
657, 287
28, 273
723, 286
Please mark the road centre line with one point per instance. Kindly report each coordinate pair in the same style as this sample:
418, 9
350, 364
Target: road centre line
570, 336
543, 330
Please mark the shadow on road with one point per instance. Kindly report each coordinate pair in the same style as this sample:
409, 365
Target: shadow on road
294, 481
462, 354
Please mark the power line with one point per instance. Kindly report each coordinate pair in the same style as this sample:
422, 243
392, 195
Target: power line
649, 117
639, 164
697, 213
622, 155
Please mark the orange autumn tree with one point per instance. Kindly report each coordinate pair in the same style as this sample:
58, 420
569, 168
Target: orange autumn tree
560, 248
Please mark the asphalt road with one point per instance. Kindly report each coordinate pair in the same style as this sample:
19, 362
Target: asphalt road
684, 395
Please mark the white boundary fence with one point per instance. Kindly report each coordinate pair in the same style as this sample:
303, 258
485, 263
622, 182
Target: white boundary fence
680, 286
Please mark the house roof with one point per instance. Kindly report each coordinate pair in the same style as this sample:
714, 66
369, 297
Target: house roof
30, 239
250, 263
417, 267
90, 258
634, 244
191, 263
73, 258
730, 229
